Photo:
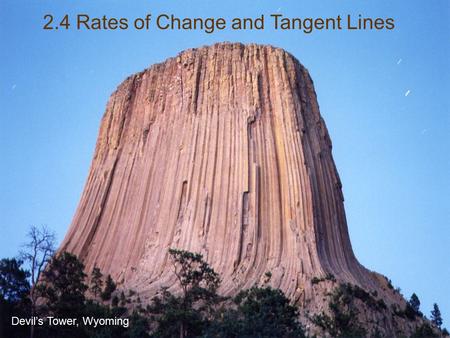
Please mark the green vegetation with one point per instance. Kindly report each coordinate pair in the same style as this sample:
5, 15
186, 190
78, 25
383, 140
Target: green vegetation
200, 311
63, 290
189, 313
424, 331
62, 287
328, 277
14, 296
14, 284
436, 317
389, 283
414, 302
110, 287
60, 293
354, 291
412, 309
96, 282
262, 312
36, 253
343, 318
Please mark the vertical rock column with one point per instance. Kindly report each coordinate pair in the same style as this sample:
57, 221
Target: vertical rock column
220, 150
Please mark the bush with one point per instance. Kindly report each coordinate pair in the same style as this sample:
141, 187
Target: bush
259, 312
328, 276
424, 331
315, 280
343, 319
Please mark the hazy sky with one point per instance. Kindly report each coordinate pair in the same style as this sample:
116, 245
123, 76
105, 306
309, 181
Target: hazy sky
383, 94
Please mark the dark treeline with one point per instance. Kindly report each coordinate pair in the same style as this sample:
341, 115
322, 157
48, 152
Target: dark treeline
41, 284
65, 291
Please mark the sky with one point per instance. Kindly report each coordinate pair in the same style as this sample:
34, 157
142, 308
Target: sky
383, 94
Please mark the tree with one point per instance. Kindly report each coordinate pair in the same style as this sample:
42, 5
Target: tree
96, 282
414, 302
36, 253
189, 313
175, 316
412, 308
264, 312
62, 286
424, 331
197, 279
138, 326
14, 285
436, 317
14, 301
62, 290
110, 287
200, 311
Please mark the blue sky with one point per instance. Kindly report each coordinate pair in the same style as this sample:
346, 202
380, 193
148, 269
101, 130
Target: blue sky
391, 149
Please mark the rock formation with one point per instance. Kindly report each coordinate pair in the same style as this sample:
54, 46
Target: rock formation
220, 150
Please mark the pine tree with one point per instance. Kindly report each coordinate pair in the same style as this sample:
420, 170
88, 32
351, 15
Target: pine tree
96, 282
414, 302
110, 287
14, 285
436, 317
63, 287
14, 300
61, 294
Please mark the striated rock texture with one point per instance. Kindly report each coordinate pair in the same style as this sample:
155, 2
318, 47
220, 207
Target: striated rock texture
220, 150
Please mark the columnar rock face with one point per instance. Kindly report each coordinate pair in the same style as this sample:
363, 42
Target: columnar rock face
220, 150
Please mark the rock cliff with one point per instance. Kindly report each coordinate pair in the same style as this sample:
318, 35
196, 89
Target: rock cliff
221, 150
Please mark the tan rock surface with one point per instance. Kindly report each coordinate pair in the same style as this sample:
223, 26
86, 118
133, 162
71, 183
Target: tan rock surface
220, 150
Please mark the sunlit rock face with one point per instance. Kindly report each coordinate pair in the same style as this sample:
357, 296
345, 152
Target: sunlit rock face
220, 150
